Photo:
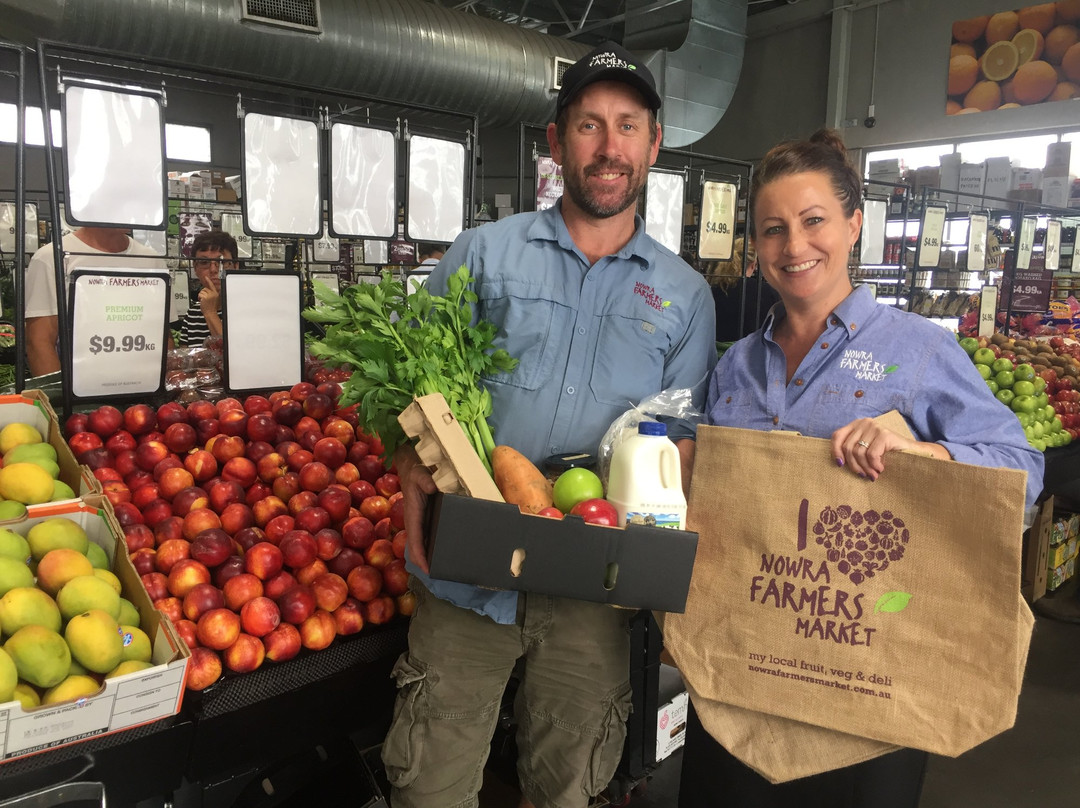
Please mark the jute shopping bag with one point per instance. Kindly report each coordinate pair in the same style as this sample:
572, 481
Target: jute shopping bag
886, 610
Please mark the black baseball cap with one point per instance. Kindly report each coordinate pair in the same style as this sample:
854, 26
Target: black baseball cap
608, 62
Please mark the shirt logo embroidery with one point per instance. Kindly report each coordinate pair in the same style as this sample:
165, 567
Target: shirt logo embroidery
649, 294
862, 362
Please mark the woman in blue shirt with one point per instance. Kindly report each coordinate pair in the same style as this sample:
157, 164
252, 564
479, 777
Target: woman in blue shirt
826, 361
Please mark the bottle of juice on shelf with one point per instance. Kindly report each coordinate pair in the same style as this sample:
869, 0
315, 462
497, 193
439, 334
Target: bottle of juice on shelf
645, 479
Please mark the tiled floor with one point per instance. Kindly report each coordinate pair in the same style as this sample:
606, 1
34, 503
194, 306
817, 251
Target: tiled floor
1035, 764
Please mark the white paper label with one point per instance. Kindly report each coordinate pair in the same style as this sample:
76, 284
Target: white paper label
717, 234
1052, 244
262, 330
181, 295
987, 310
872, 240
1026, 242
328, 278
976, 246
930, 235
117, 334
39, 730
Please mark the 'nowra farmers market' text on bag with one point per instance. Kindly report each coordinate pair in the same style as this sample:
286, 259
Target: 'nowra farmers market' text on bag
886, 610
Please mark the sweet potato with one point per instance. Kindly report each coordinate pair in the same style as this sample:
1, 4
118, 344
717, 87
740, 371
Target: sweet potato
519, 481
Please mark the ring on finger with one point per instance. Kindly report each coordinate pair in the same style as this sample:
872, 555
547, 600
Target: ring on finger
863, 444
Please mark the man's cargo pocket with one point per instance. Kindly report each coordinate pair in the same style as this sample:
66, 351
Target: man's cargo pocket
608, 748
403, 746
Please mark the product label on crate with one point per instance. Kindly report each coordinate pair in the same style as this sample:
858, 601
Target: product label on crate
976, 246
1052, 244
930, 236
1026, 243
1031, 289
118, 332
655, 519
148, 698
29, 732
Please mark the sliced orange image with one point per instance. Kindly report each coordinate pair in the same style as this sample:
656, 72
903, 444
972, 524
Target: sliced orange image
1067, 10
1065, 91
1029, 44
961, 49
1040, 17
1002, 26
963, 71
1000, 61
1034, 81
1059, 40
969, 30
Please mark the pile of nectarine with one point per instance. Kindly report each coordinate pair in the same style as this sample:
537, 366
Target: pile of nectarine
259, 527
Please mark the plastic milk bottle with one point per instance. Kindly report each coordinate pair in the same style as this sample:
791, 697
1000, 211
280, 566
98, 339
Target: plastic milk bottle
645, 479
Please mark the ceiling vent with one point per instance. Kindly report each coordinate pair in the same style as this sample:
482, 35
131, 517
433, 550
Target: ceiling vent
558, 68
302, 15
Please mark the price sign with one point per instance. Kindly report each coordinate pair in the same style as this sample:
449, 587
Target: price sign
1026, 243
181, 295
930, 236
1031, 289
118, 332
549, 183
1052, 244
264, 347
717, 232
330, 279
1076, 252
988, 299
872, 240
976, 246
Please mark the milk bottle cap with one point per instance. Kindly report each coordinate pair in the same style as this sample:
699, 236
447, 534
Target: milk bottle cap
652, 428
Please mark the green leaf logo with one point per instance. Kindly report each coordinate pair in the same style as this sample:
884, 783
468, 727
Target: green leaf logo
892, 602
666, 303
891, 368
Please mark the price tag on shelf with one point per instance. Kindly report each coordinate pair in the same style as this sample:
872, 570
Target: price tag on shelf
872, 240
988, 299
1031, 289
930, 236
976, 246
118, 332
1052, 244
1026, 243
717, 235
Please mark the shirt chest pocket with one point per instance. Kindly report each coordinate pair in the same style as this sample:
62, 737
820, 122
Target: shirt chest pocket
629, 360
531, 330
838, 405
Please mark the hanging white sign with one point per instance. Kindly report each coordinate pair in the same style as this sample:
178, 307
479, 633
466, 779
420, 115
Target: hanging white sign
930, 235
265, 305
872, 240
118, 332
1052, 244
1026, 243
717, 236
976, 246
181, 295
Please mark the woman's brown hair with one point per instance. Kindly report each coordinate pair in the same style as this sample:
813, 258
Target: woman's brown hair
823, 151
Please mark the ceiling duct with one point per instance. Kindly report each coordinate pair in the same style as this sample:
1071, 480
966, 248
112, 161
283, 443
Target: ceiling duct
407, 51
695, 50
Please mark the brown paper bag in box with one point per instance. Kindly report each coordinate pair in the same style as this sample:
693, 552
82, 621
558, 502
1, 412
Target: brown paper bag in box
886, 610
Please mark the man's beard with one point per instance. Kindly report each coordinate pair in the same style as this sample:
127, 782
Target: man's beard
575, 185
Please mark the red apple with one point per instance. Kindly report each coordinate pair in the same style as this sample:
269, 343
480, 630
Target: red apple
136, 480
211, 547
283, 643
270, 466
127, 514
256, 450
240, 470
365, 582
267, 508
259, 616
330, 452
244, 655
311, 519
254, 404
124, 462
297, 459
406, 604
169, 529
297, 604
286, 486
361, 490
156, 585
202, 465
275, 587
121, 441
330, 590
188, 500
104, 421
287, 412
173, 480
145, 495
144, 560
82, 442
229, 569
149, 454
170, 413
318, 630
388, 484
180, 437
329, 543
198, 520
256, 491
155, 511
301, 390
201, 410
186, 629
395, 578
371, 468
336, 501
226, 447
358, 533
115, 491
170, 552
349, 617
136, 537
380, 554
358, 450
306, 574
264, 560
379, 610
207, 429
218, 628
236, 516
597, 512
225, 492
340, 429
171, 607
76, 422
278, 527
200, 599
240, 589
375, 508
298, 549
248, 537
203, 669
233, 422
302, 501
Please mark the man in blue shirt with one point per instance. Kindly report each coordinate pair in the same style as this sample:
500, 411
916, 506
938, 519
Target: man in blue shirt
599, 316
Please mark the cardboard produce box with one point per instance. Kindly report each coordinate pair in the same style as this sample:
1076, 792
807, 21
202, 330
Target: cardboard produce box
33, 407
479, 539
121, 703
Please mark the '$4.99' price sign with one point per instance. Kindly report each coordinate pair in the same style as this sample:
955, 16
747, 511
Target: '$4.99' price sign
118, 332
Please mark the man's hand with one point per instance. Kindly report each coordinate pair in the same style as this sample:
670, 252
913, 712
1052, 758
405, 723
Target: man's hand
416, 486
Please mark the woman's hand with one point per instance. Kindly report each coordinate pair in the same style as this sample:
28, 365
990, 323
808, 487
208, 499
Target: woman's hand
416, 486
862, 444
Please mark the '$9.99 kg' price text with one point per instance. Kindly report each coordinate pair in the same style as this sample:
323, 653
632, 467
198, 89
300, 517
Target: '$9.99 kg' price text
108, 344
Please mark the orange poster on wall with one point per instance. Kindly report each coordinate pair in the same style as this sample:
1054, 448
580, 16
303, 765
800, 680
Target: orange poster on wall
1017, 58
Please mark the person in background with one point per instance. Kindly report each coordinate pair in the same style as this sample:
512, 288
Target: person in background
212, 253
804, 218
599, 315
87, 247
429, 256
